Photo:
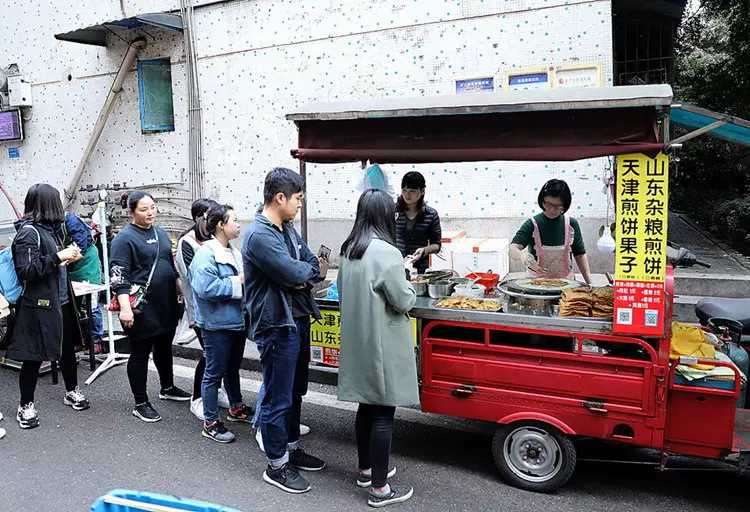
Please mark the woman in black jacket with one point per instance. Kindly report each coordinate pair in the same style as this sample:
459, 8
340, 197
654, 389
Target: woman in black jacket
46, 327
137, 248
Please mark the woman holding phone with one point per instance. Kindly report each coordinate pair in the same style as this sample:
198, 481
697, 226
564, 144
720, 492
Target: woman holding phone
46, 326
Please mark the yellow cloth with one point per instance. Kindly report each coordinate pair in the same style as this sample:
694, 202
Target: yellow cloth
689, 340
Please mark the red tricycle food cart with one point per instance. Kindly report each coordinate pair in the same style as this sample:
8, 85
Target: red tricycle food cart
531, 374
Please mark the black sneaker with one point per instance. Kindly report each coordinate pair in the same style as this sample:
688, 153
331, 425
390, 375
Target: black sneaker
287, 479
304, 461
395, 496
27, 417
76, 400
146, 412
174, 393
365, 480
241, 414
217, 432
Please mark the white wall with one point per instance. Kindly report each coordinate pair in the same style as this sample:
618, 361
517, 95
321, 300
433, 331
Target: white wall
261, 59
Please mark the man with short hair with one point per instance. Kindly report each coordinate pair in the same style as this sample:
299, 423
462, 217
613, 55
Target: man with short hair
279, 268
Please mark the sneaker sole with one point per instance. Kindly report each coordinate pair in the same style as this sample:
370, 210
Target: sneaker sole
28, 426
212, 438
368, 483
143, 418
284, 488
393, 501
310, 470
74, 406
174, 398
237, 420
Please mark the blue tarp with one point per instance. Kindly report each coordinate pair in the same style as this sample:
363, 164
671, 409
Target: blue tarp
691, 117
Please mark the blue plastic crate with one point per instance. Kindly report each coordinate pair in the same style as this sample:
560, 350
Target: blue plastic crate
121, 500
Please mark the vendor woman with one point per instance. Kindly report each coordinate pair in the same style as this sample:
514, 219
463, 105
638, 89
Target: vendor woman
552, 237
417, 225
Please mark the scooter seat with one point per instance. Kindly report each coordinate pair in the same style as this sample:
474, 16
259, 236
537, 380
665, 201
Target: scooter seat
734, 309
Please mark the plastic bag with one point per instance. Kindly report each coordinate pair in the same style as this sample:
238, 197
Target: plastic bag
374, 177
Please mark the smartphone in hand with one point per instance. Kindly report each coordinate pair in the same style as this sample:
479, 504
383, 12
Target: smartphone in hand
324, 252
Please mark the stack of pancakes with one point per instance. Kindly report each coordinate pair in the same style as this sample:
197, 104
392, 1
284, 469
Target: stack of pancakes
575, 302
594, 302
602, 304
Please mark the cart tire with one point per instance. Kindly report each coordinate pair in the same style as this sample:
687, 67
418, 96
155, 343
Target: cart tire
533, 456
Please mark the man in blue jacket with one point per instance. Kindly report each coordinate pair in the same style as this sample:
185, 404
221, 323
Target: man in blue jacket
279, 268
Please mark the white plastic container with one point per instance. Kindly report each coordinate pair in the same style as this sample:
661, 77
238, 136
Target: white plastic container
481, 255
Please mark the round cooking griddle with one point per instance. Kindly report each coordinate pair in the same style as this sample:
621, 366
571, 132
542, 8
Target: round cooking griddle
528, 286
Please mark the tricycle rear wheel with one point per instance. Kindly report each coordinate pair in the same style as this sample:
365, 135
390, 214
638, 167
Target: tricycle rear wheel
533, 456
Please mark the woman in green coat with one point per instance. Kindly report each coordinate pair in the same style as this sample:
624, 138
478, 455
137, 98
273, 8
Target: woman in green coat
377, 368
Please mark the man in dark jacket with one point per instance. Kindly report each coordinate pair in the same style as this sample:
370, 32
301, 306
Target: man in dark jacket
278, 267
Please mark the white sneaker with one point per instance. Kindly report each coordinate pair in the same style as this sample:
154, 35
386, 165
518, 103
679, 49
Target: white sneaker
303, 429
223, 399
27, 416
259, 440
2, 433
196, 407
1, 416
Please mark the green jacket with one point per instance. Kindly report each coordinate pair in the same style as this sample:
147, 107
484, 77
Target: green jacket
377, 364
87, 269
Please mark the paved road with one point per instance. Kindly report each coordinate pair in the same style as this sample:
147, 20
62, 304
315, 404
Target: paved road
74, 457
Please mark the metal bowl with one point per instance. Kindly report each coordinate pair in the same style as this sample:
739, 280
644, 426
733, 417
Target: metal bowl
440, 289
420, 288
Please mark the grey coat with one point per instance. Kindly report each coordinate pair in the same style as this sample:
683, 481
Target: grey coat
377, 364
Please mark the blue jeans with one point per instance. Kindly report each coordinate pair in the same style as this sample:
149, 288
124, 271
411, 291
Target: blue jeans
223, 351
258, 404
97, 322
284, 356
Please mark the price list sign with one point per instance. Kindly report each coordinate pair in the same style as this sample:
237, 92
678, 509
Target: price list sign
642, 195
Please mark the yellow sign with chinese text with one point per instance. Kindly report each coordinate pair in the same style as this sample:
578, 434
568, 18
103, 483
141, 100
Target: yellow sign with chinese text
642, 199
325, 337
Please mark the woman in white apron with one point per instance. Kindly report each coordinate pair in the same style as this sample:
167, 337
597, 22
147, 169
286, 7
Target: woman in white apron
553, 239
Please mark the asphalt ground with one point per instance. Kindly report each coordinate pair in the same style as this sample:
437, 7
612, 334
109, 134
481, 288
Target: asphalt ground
75, 457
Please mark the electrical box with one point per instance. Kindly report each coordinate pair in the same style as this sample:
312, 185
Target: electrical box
19, 91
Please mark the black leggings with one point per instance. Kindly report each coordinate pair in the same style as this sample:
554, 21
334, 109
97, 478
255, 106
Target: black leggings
140, 348
374, 428
200, 368
29, 375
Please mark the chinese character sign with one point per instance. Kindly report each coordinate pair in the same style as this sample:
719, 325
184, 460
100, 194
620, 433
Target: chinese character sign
325, 337
642, 211
641, 243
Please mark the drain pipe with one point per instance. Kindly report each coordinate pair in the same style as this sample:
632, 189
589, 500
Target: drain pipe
10, 200
71, 192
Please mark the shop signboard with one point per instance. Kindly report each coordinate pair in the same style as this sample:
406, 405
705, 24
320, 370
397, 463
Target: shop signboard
642, 197
529, 79
475, 85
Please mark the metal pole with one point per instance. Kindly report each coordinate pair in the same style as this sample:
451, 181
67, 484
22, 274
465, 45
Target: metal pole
303, 216
72, 190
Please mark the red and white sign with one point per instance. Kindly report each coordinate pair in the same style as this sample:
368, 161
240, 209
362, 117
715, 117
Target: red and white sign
639, 307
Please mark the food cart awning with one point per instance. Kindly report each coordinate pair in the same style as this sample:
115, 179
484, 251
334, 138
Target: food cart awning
701, 120
553, 124
97, 34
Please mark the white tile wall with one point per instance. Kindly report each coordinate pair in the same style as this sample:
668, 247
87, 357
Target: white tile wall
261, 59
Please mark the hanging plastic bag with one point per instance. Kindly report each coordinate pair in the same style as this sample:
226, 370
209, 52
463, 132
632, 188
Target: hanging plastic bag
374, 177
